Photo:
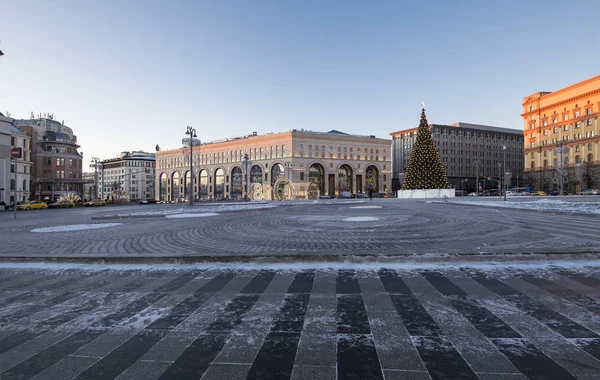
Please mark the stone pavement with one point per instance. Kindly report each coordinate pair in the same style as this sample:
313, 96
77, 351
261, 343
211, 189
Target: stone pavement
311, 324
383, 227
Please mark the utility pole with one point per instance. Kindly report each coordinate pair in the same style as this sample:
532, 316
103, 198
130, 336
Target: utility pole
477, 178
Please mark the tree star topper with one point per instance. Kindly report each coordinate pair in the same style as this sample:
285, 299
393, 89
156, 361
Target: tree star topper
423, 104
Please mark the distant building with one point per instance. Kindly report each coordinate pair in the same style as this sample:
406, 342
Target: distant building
57, 165
298, 164
131, 176
20, 139
5, 159
14, 178
469, 153
89, 187
568, 116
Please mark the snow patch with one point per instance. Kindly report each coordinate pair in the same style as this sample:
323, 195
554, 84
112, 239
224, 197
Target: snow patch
75, 227
191, 215
361, 219
546, 204
365, 207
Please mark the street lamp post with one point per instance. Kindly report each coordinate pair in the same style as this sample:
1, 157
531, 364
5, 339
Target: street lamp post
192, 133
288, 167
504, 172
477, 178
561, 148
95, 160
246, 158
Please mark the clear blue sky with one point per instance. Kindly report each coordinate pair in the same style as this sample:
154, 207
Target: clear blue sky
127, 75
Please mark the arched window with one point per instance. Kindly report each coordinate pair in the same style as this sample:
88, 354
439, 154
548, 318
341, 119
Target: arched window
532, 164
590, 158
545, 163
578, 159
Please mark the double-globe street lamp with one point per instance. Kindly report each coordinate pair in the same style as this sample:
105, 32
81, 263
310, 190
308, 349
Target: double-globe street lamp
95, 160
192, 133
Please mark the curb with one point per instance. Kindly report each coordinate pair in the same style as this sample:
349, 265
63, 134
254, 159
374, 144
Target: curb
333, 259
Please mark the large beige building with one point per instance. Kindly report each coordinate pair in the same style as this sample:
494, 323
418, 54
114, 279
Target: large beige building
569, 118
297, 164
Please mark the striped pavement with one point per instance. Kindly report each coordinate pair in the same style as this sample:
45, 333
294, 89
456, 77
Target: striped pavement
316, 324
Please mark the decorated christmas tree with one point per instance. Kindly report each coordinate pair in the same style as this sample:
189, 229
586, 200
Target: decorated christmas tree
425, 169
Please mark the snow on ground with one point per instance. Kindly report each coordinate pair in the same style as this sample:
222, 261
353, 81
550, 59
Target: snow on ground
546, 204
365, 207
361, 219
228, 207
191, 215
295, 266
75, 227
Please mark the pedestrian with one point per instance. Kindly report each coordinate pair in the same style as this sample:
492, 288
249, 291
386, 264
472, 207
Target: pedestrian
371, 194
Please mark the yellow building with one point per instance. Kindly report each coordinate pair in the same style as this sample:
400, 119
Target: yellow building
567, 118
297, 164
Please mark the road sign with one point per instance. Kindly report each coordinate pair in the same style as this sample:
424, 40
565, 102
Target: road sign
15, 152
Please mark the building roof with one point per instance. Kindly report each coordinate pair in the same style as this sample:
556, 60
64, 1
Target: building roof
17, 131
475, 127
490, 128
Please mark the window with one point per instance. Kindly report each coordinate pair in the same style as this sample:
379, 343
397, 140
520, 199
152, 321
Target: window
531, 108
576, 113
555, 120
532, 165
566, 128
577, 148
588, 111
589, 122
590, 157
301, 146
301, 176
566, 117
532, 155
545, 122
531, 126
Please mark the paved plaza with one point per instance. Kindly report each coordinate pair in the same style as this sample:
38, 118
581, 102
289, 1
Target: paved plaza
310, 230
344, 291
302, 324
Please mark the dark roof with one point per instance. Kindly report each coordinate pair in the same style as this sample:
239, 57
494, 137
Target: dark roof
334, 132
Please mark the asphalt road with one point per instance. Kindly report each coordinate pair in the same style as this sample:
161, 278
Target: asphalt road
382, 227
309, 324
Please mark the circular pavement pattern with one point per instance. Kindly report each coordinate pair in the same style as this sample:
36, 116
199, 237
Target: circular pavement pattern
402, 227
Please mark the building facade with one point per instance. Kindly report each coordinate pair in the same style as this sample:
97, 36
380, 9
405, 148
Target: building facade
57, 164
470, 154
297, 164
127, 177
21, 174
567, 118
5, 160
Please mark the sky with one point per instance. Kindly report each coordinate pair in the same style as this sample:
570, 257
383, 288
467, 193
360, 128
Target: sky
127, 75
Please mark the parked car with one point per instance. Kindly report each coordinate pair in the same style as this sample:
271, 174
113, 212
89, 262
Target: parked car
590, 192
61, 204
360, 195
33, 205
95, 202
539, 193
147, 201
